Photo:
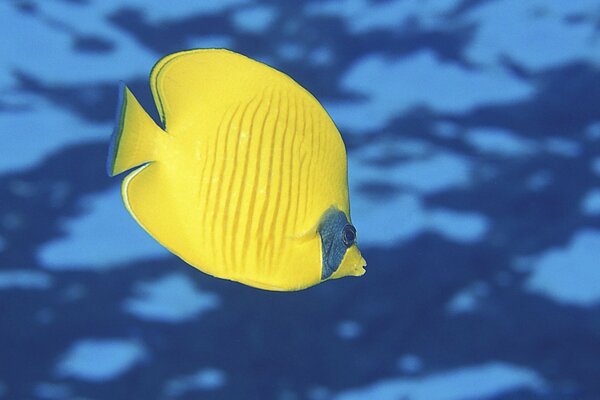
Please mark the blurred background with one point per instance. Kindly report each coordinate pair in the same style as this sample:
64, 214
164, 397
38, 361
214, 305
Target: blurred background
473, 136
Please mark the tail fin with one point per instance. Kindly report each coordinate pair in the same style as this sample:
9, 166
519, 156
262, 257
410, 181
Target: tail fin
135, 137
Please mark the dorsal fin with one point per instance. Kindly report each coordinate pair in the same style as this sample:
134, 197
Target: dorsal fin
183, 82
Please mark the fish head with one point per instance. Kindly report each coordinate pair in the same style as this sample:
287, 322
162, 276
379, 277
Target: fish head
340, 255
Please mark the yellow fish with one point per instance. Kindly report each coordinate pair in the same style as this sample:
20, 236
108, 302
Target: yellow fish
248, 179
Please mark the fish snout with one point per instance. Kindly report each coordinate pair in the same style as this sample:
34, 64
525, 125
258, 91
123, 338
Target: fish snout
360, 267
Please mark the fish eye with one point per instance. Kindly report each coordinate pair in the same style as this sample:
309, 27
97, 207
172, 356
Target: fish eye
348, 235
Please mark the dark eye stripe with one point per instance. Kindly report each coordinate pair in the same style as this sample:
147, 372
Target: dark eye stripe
333, 247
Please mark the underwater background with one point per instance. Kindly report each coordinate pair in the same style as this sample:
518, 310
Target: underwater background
473, 137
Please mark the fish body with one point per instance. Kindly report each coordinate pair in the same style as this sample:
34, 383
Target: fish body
248, 179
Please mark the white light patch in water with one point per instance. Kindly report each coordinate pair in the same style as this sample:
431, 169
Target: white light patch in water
24, 279
467, 300
562, 147
592, 131
410, 364
206, 379
255, 19
52, 391
100, 360
403, 217
539, 180
590, 204
476, 382
173, 10
390, 86
500, 142
290, 51
569, 274
321, 56
94, 240
172, 298
446, 129
49, 127
436, 172
459, 226
363, 15
51, 45
537, 29
349, 330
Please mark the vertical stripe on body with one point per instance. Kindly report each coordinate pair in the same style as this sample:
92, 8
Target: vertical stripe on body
239, 225
280, 134
229, 234
259, 215
249, 199
211, 175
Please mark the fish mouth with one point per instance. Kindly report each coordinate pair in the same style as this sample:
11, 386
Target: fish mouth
361, 267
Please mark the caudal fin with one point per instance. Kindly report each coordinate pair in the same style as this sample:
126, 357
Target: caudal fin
135, 138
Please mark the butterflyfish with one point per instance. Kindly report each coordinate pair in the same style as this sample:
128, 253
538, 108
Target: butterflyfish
246, 179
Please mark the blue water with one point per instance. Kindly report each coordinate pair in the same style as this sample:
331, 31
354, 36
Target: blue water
473, 136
